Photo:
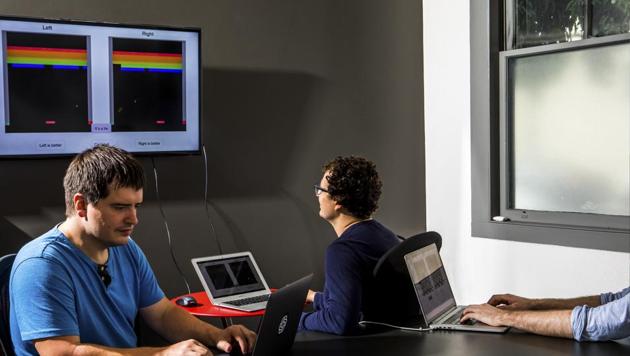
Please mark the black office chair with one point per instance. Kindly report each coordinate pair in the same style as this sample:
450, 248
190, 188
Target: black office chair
393, 299
6, 262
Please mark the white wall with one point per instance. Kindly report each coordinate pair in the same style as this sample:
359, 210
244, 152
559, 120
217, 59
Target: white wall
479, 267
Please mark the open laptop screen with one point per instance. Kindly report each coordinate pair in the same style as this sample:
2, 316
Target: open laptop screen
430, 282
228, 276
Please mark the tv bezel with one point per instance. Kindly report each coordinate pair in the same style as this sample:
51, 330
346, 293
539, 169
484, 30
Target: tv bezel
196, 30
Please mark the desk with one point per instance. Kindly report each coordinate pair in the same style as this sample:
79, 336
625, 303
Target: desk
206, 308
513, 343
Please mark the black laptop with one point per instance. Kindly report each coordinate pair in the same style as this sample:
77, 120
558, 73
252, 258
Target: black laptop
277, 329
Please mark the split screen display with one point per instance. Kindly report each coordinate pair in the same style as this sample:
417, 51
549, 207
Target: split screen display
68, 86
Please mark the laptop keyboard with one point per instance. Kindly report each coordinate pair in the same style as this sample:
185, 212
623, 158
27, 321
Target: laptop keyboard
251, 300
454, 319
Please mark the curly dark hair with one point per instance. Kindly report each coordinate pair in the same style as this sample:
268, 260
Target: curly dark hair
93, 170
353, 183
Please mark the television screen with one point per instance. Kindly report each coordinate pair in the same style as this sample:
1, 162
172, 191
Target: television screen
66, 86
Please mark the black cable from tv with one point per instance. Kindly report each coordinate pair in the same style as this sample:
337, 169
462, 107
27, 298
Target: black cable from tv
205, 199
168, 232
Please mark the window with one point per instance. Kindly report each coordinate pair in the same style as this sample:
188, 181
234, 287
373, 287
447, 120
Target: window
551, 128
539, 22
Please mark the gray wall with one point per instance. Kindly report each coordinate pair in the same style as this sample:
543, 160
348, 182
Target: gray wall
287, 85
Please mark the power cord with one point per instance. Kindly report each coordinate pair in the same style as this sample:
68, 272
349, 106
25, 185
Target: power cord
367, 322
168, 232
205, 199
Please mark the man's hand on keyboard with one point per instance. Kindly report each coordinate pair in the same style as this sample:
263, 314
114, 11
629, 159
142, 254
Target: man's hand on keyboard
485, 313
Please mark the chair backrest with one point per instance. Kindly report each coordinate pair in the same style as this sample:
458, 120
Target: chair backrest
395, 301
6, 262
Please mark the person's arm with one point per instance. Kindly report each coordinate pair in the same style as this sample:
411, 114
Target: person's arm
610, 321
169, 321
337, 310
514, 302
543, 322
609, 297
316, 298
176, 324
71, 345
310, 296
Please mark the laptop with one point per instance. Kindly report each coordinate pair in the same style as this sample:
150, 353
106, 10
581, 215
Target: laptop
233, 281
437, 302
276, 331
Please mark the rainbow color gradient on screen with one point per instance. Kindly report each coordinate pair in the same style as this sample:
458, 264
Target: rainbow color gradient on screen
40, 56
163, 62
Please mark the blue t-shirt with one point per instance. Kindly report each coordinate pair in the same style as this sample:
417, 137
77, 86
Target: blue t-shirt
609, 321
349, 262
55, 290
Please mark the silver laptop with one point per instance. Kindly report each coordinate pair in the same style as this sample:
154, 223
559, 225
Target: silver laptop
233, 281
437, 303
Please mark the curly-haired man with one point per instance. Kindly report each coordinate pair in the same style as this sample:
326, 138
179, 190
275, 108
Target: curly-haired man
348, 196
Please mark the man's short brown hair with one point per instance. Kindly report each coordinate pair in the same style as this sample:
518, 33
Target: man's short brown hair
353, 183
93, 170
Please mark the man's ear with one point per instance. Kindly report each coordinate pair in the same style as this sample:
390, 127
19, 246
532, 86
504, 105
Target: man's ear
80, 205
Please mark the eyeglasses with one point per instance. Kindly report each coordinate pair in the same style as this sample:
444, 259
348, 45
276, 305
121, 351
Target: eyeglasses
319, 190
104, 275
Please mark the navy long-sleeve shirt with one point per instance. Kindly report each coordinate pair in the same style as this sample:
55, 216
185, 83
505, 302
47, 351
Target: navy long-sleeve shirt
348, 265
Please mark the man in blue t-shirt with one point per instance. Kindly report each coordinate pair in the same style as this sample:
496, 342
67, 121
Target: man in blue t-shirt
594, 318
348, 194
78, 288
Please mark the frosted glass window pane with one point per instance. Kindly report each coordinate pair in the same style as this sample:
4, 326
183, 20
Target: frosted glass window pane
571, 131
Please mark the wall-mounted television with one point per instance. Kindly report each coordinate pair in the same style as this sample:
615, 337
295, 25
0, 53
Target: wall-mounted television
67, 85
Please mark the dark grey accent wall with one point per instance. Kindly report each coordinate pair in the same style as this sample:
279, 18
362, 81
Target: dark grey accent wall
287, 85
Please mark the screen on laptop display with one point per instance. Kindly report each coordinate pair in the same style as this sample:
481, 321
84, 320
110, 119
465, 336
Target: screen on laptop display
230, 276
430, 282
